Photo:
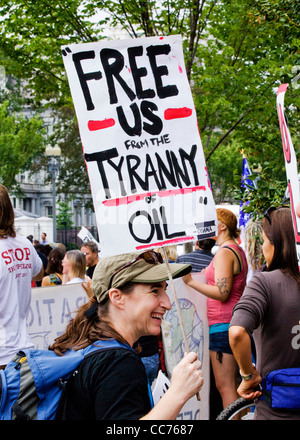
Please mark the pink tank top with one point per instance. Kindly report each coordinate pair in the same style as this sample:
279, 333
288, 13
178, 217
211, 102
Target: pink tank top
219, 312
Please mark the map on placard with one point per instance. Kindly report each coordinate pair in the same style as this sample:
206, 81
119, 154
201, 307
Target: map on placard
194, 328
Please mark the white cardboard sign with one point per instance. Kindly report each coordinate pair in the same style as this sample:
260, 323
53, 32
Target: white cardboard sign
290, 164
141, 143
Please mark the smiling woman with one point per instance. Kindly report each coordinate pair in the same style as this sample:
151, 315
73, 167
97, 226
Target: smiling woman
128, 300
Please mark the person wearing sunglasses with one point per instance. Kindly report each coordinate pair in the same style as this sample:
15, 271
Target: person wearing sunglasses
226, 277
270, 310
128, 300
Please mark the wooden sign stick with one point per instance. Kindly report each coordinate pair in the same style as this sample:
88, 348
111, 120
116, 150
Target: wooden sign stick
186, 343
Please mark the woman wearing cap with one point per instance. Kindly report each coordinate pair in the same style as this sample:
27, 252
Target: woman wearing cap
226, 278
129, 300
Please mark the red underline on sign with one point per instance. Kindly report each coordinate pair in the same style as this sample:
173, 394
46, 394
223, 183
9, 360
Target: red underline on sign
163, 243
99, 125
176, 113
134, 198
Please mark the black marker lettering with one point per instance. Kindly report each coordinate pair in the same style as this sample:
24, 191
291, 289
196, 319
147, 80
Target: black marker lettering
118, 169
147, 109
151, 171
159, 171
136, 129
164, 171
133, 174
100, 157
165, 225
152, 229
159, 233
138, 73
112, 70
159, 71
155, 226
183, 174
85, 77
191, 159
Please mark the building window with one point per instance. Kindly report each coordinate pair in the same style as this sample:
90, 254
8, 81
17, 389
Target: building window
48, 211
27, 204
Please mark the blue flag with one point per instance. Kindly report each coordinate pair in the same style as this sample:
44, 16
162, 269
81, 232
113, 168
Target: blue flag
245, 183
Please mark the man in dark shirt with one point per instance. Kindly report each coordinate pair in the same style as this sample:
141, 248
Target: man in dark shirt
200, 257
90, 249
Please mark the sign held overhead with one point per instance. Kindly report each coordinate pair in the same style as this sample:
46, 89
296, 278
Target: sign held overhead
141, 143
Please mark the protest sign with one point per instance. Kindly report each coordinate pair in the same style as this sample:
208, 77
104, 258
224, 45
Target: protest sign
193, 312
85, 235
141, 143
50, 311
189, 411
290, 163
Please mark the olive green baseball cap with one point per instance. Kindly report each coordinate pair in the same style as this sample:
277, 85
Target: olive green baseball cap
105, 276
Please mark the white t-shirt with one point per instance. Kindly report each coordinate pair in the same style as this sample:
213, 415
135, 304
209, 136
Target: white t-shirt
19, 263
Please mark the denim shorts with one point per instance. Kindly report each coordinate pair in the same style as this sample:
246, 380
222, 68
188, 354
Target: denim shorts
220, 342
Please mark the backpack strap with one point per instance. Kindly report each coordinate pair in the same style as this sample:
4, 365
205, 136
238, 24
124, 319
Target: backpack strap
88, 351
19, 413
228, 247
104, 344
25, 408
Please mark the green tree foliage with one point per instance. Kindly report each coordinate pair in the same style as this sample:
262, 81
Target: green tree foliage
240, 67
64, 217
258, 198
21, 141
225, 164
237, 54
73, 178
32, 33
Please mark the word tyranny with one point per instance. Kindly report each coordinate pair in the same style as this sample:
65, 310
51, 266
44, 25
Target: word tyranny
155, 171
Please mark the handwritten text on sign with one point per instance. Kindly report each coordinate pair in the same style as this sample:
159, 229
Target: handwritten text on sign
141, 142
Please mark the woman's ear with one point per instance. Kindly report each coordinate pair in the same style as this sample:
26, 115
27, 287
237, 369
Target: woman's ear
116, 297
222, 226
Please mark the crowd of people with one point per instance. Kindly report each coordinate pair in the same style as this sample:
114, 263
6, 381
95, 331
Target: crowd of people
251, 314
65, 267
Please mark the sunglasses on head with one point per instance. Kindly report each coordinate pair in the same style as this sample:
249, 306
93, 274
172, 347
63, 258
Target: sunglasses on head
150, 257
267, 213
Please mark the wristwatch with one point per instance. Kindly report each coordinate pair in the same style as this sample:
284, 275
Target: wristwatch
246, 376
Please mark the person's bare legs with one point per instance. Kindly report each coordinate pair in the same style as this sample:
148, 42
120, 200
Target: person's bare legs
225, 374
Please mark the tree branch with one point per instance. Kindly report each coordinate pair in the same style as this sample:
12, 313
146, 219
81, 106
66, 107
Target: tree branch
233, 127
